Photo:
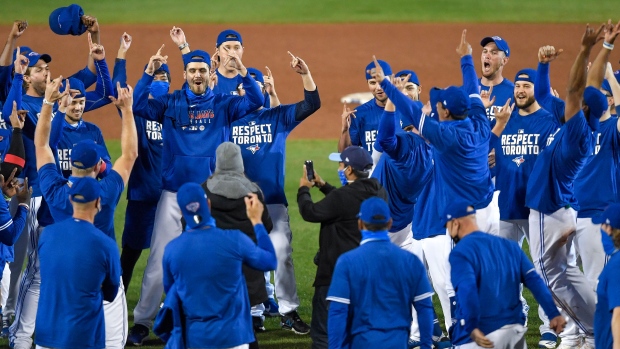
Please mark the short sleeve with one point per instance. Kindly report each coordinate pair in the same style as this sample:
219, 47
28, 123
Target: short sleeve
112, 187
54, 188
423, 288
340, 288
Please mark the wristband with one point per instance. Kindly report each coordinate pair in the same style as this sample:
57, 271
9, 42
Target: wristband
25, 205
608, 46
45, 101
182, 46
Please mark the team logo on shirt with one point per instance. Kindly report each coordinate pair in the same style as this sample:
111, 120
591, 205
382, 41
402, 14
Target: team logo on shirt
252, 133
518, 160
520, 143
253, 148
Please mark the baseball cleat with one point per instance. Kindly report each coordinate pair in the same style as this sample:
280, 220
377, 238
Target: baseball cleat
258, 324
137, 335
413, 344
548, 340
271, 308
292, 322
443, 343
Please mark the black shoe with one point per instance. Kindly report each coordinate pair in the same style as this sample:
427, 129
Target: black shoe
292, 322
137, 335
257, 323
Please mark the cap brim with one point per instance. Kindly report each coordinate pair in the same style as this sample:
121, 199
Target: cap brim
486, 40
599, 219
46, 58
335, 157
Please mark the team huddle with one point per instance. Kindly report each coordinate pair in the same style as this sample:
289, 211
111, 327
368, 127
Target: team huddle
436, 198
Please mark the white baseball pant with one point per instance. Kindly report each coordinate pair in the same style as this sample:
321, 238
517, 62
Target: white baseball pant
167, 226
507, 337
549, 234
20, 251
116, 320
488, 218
6, 281
284, 276
589, 247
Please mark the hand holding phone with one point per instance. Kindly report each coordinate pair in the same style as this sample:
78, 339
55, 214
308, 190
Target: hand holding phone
309, 170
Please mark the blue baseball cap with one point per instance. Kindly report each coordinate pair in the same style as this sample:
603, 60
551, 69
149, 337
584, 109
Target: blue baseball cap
374, 210
67, 20
406, 119
74, 84
257, 75
526, 74
597, 103
228, 35
452, 98
163, 67
387, 70
501, 44
23, 50
85, 154
456, 209
193, 203
33, 58
413, 78
357, 157
196, 56
611, 216
84, 189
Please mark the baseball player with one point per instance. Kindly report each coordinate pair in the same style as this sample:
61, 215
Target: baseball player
363, 127
354, 319
261, 135
144, 185
70, 313
550, 193
86, 161
495, 55
489, 269
460, 138
542, 86
607, 315
191, 116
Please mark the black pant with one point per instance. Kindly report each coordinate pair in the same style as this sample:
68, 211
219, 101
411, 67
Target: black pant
318, 326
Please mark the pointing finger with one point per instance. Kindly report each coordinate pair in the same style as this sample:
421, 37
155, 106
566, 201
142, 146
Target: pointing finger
161, 48
90, 40
463, 36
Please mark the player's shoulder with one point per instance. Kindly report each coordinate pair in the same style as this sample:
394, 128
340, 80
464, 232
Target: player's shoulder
91, 126
367, 107
506, 84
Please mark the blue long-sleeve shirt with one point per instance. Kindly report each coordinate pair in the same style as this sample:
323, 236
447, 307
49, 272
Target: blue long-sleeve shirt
542, 93
489, 269
184, 125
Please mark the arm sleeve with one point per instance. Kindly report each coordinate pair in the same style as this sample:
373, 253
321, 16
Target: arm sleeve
86, 76
261, 256
168, 277
386, 135
542, 85
119, 75
327, 188
354, 132
337, 320
103, 89
11, 228
326, 209
425, 311
106, 155
403, 104
613, 291
470, 79
58, 123
5, 81
494, 141
14, 95
111, 283
151, 109
464, 282
240, 106
308, 106
535, 283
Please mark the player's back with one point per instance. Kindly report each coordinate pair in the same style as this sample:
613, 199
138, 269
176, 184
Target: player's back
495, 263
76, 260
607, 292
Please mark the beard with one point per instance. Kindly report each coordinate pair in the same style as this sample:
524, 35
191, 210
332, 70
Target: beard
525, 104
73, 117
39, 88
198, 89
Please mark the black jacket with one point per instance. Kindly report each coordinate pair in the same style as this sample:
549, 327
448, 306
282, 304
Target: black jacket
231, 214
337, 213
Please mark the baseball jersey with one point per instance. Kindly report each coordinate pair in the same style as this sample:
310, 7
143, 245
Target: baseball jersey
486, 272
461, 146
608, 298
188, 120
502, 92
10, 229
355, 283
427, 213
80, 268
542, 93
550, 186
364, 125
516, 151
227, 86
55, 191
404, 168
219, 278
70, 136
596, 185
261, 135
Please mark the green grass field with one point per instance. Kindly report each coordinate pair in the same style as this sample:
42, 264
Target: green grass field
320, 11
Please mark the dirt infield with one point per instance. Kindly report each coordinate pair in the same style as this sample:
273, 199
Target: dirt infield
336, 55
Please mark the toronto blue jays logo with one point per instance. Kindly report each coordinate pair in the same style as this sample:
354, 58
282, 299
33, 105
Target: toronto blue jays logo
518, 160
193, 207
253, 148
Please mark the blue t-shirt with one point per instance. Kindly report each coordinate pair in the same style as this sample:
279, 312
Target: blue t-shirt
219, 278
596, 186
364, 125
56, 194
516, 151
484, 300
608, 295
550, 186
374, 271
502, 92
227, 86
71, 135
261, 135
80, 268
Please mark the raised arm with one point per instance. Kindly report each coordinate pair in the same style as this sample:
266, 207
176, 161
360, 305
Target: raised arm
613, 84
178, 37
470, 79
103, 88
270, 88
596, 73
129, 135
345, 131
577, 76
44, 152
151, 109
119, 75
92, 25
253, 99
311, 102
19, 27
16, 92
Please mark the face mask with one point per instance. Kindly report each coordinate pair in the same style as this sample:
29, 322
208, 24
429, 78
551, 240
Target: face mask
608, 243
159, 88
343, 178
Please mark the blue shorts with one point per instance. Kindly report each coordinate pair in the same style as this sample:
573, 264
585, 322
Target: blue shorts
139, 219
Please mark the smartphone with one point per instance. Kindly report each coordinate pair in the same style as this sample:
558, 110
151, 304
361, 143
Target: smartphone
309, 170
